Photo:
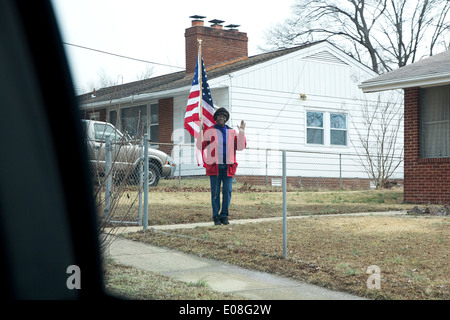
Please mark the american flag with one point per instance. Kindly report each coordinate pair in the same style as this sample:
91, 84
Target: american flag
192, 121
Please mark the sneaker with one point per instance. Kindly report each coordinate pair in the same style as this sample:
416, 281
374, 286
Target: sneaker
225, 220
217, 222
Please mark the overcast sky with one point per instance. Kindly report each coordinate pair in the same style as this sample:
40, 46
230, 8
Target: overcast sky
150, 30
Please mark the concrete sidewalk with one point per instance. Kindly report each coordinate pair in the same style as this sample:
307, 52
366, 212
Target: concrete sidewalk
220, 276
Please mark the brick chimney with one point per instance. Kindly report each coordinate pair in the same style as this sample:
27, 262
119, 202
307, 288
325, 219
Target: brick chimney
218, 44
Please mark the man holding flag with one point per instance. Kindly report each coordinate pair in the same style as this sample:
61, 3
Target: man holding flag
216, 142
220, 143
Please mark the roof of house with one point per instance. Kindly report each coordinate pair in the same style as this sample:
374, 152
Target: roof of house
180, 79
432, 71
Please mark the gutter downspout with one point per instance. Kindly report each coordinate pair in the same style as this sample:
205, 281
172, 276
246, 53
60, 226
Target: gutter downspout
230, 100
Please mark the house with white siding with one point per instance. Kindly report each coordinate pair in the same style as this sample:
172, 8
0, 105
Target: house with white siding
303, 99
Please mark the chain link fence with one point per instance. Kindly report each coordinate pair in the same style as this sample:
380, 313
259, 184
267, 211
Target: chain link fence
127, 195
116, 186
305, 170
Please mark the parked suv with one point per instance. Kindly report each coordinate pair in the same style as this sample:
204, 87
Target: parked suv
126, 154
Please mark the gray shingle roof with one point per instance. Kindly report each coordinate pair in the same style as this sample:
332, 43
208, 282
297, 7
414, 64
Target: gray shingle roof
180, 79
413, 74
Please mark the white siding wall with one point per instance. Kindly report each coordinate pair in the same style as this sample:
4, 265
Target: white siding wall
267, 98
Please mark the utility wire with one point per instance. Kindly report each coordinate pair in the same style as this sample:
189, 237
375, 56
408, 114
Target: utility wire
121, 56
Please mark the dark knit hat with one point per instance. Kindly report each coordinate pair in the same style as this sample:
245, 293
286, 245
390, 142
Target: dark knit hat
221, 111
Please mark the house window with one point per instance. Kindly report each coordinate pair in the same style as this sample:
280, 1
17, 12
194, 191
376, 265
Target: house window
326, 128
154, 122
338, 129
94, 116
188, 138
136, 121
435, 122
314, 127
113, 118
133, 121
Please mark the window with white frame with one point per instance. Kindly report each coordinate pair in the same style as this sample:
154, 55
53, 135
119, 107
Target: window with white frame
338, 129
326, 128
314, 128
188, 138
435, 122
154, 123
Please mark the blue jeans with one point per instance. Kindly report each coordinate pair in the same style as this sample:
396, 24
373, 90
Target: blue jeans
216, 182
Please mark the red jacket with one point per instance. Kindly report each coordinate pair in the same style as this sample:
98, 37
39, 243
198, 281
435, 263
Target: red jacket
235, 141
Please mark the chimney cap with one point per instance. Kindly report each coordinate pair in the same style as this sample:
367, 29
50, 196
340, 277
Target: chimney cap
232, 26
197, 17
216, 21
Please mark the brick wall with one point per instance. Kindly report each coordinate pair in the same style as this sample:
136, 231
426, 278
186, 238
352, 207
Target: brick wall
425, 180
86, 114
218, 45
165, 107
309, 182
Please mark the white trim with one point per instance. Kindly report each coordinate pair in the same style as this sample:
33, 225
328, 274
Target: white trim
146, 96
326, 127
137, 98
418, 81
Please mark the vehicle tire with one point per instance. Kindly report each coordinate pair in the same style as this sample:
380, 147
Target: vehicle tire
154, 175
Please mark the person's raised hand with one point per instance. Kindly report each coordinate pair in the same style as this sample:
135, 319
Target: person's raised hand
241, 127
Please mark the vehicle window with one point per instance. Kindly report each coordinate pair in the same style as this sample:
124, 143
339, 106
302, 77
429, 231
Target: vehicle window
103, 131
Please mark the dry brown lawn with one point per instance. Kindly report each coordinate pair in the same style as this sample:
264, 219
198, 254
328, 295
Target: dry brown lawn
174, 205
334, 251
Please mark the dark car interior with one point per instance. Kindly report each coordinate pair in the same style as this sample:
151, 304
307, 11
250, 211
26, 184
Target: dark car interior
48, 229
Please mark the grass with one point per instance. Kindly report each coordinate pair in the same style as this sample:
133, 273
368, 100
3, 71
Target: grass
323, 248
190, 203
134, 284
332, 251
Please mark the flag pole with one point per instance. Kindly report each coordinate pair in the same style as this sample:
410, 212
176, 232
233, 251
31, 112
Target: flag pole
200, 76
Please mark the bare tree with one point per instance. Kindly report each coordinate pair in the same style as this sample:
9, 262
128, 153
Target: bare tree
124, 190
106, 80
145, 74
383, 34
378, 138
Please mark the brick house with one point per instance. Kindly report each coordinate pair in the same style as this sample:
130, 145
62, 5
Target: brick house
304, 98
153, 98
426, 86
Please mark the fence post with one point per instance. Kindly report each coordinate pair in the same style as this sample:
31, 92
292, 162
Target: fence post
108, 173
145, 222
340, 171
284, 207
267, 178
141, 179
179, 166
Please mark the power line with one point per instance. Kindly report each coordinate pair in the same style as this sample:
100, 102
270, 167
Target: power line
121, 56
